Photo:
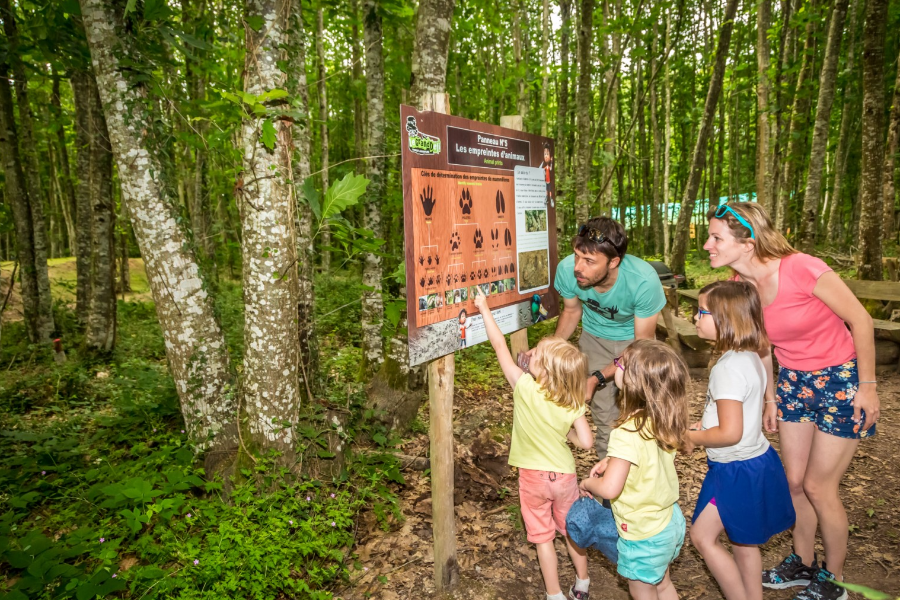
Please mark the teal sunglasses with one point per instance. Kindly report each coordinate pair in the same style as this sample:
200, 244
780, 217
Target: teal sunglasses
725, 209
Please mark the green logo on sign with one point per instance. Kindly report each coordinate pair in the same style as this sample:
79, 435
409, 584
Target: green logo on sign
421, 143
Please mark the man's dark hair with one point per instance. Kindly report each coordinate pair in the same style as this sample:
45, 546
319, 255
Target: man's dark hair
614, 246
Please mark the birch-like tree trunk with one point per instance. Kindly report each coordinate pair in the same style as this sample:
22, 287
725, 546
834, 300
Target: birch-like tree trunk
101, 323
195, 345
797, 126
17, 197
28, 149
66, 181
82, 91
268, 245
325, 232
843, 145
372, 304
698, 157
871, 216
302, 138
893, 145
545, 64
764, 155
667, 148
583, 112
359, 108
562, 106
655, 220
827, 79
395, 389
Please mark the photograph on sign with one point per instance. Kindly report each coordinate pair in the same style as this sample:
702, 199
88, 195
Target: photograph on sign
479, 214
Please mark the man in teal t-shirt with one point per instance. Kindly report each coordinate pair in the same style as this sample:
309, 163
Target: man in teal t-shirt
617, 297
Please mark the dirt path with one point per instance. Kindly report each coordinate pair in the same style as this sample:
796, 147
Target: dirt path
497, 561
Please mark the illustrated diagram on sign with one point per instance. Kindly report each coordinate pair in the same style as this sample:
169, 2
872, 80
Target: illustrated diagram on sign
478, 217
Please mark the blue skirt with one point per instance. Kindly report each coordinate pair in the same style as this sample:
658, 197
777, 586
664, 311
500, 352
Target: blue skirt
752, 497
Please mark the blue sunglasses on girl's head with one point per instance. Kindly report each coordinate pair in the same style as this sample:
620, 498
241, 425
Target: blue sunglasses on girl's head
725, 209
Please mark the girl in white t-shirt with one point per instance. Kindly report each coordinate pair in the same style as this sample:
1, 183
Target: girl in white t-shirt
745, 493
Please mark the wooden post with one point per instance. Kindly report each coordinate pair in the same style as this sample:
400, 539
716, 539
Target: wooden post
441, 384
518, 340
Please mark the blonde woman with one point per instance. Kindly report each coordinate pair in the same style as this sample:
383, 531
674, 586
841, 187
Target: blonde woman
826, 398
548, 410
638, 475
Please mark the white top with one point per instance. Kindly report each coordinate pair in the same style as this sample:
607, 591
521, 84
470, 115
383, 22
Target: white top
738, 376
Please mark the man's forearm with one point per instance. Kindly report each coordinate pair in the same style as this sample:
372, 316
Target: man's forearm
566, 324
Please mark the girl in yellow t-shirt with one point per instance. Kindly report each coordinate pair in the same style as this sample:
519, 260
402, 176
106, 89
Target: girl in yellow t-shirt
548, 410
638, 474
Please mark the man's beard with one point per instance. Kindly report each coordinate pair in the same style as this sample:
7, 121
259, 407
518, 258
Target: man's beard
589, 285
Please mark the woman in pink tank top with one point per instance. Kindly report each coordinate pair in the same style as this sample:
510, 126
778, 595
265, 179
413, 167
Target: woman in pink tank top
825, 399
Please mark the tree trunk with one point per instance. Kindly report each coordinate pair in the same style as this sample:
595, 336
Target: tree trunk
82, 84
764, 156
698, 158
798, 126
893, 144
667, 162
17, 197
101, 323
520, 15
612, 110
583, 113
359, 109
372, 304
301, 135
31, 171
562, 107
68, 200
787, 44
871, 216
396, 388
819, 145
843, 144
195, 345
323, 129
268, 247
655, 221
545, 65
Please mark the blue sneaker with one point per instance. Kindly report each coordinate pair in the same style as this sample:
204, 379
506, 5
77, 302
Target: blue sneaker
789, 573
823, 587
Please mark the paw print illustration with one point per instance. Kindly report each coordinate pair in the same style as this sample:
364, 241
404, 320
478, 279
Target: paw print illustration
465, 202
463, 278
454, 241
422, 282
427, 200
479, 239
421, 260
507, 237
500, 202
493, 270
494, 234
437, 259
429, 261
512, 267
506, 269
472, 276
448, 280
430, 281
456, 278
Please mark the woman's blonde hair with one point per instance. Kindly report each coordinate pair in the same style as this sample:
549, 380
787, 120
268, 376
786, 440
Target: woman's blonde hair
768, 242
655, 393
736, 310
565, 372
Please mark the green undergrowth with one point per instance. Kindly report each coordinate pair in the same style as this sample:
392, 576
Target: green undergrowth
102, 494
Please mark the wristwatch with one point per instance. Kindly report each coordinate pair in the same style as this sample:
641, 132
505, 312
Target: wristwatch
600, 378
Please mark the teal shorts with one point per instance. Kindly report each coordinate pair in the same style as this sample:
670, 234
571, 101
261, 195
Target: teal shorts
647, 560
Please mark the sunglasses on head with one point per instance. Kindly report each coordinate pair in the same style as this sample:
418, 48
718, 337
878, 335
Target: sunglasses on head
595, 235
725, 209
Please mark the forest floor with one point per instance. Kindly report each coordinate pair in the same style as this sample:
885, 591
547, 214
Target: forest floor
62, 281
498, 562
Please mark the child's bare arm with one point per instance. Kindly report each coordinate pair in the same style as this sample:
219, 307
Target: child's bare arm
581, 435
729, 430
510, 369
613, 481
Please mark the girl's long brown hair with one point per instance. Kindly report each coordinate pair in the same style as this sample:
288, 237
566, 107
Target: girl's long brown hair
655, 394
736, 310
565, 372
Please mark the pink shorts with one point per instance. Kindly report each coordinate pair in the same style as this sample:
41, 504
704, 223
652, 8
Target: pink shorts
546, 498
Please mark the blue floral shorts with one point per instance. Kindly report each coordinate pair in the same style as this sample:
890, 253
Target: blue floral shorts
824, 397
